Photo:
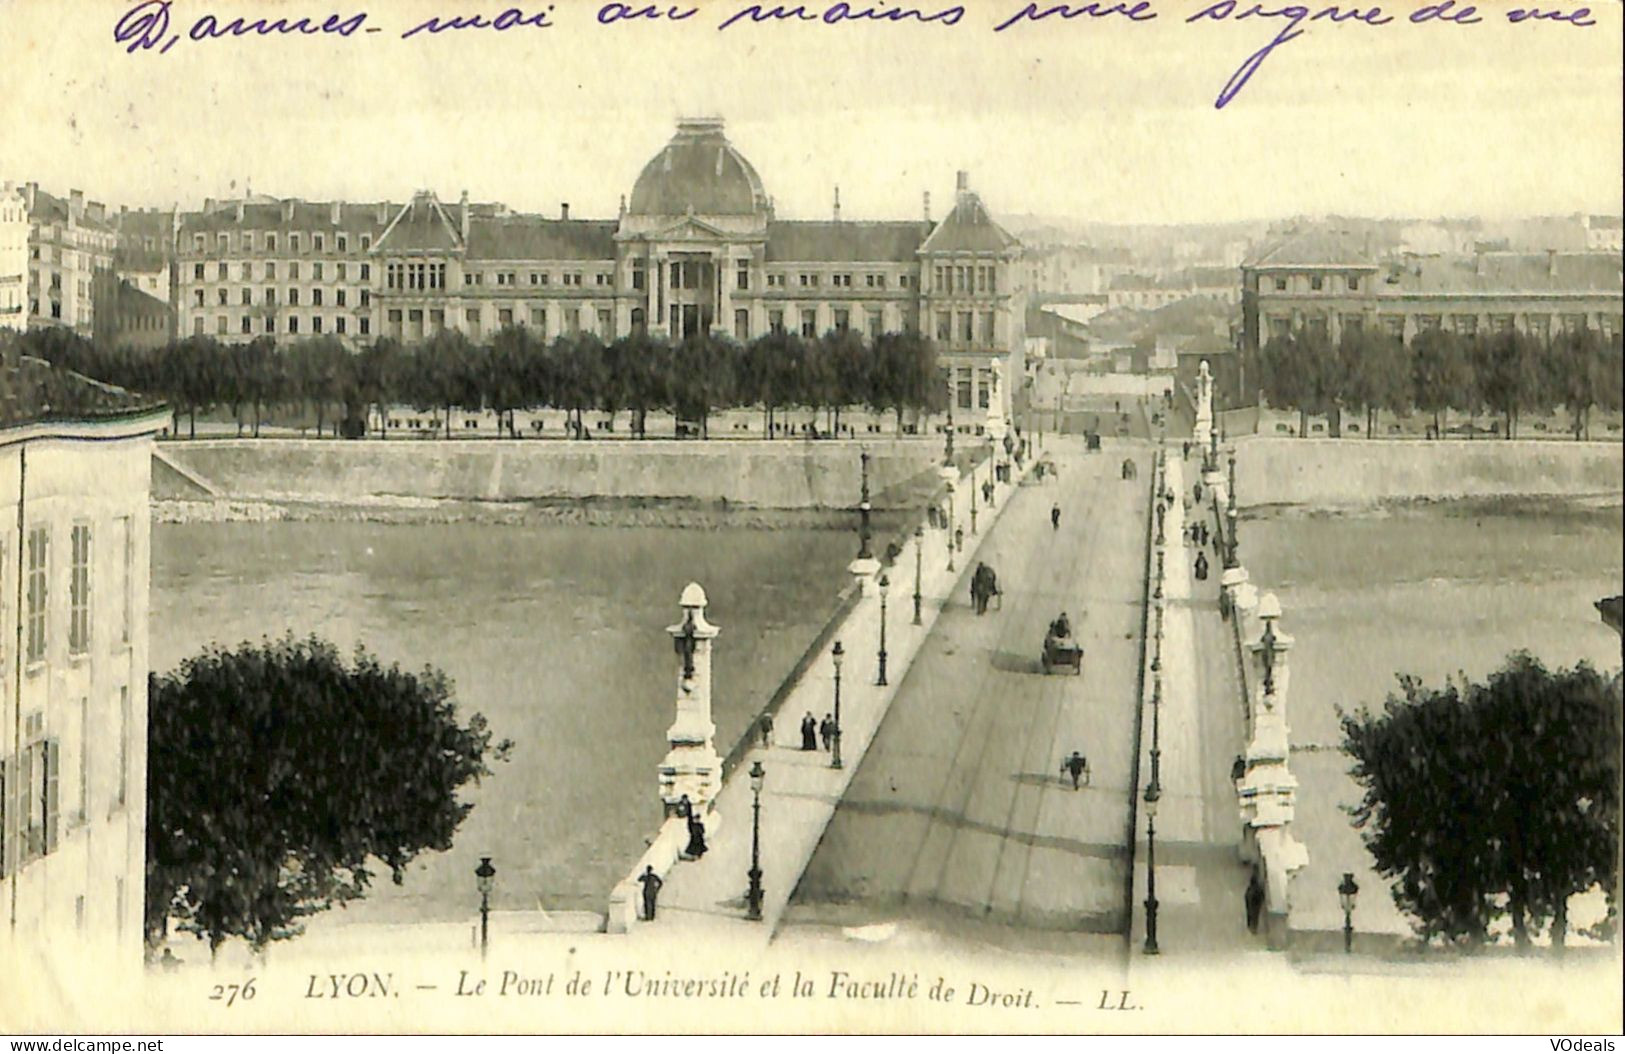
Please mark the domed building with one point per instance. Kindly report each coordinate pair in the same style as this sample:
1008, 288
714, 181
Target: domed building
697, 248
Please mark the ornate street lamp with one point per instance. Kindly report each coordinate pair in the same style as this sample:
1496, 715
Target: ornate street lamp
1347, 890
950, 525
885, 583
973, 499
919, 556
863, 512
1153, 794
1156, 731
948, 436
485, 879
1268, 639
836, 654
754, 896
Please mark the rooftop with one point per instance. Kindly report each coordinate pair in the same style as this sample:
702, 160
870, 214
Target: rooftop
814, 241
698, 172
969, 227
32, 391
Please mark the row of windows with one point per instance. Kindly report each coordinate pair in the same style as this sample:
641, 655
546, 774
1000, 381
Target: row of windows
245, 297
965, 278
245, 271
971, 326
571, 319
37, 589
1317, 283
1394, 325
267, 240
339, 324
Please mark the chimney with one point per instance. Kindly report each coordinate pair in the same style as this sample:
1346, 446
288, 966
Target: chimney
28, 192
383, 213
928, 206
334, 211
287, 210
837, 203
1478, 261
623, 206
462, 207
96, 211
239, 212
564, 210
962, 181
1551, 263
76, 204
208, 205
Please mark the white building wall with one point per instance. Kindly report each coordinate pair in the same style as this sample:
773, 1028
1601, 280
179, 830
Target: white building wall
13, 259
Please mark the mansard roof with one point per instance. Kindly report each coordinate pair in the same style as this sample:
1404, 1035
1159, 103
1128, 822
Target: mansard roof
801, 241
1315, 248
261, 214
421, 225
518, 237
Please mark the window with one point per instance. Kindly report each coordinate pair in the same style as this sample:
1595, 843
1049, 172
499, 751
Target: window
316, 271
248, 242
366, 242
315, 298
223, 295
339, 297
1466, 325
472, 315
270, 271
1280, 285
1352, 324
775, 320
1354, 283
247, 325
366, 325
319, 242
270, 242
270, 324
366, 272
638, 275
574, 278
270, 296
874, 323
602, 278
742, 275
293, 271
741, 324
1394, 325
293, 323
197, 273
37, 792
987, 327
366, 297
343, 241
538, 317
775, 281
842, 281
809, 322
471, 278
809, 281
340, 271
198, 244
39, 551
293, 298
197, 298
1317, 283
505, 316
293, 243
945, 326
316, 324
843, 319
338, 324
967, 324
84, 758
606, 324
247, 272
197, 326
904, 281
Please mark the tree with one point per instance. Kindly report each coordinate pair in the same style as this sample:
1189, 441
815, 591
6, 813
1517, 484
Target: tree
1376, 374
1509, 375
1284, 377
303, 773
1573, 373
1484, 800
1441, 375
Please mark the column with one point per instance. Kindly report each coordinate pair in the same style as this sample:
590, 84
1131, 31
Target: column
691, 766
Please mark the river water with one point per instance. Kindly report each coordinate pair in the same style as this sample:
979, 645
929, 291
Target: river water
1428, 590
555, 633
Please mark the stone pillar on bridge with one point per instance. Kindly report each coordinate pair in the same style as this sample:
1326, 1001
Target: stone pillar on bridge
692, 767
1267, 790
1204, 408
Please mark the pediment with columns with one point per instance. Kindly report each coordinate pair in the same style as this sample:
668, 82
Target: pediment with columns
691, 228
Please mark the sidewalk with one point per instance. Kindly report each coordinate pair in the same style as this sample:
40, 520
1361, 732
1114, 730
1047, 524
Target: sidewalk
800, 789
1200, 879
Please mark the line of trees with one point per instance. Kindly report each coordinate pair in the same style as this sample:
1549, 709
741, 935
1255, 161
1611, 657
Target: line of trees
515, 370
1508, 374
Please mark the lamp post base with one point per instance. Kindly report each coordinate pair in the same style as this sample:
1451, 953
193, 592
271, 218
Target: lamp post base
754, 896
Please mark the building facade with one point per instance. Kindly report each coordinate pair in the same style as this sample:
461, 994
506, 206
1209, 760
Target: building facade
696, 248
1322, 284
70, 243
75, 464
13, 258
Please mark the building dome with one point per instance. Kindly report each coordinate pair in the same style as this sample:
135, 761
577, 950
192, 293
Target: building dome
699, 171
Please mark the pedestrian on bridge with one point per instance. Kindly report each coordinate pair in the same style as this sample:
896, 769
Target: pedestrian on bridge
1055, 517
765, 726
1076, 766
651, 891
826, 730
809, 732
1201, 567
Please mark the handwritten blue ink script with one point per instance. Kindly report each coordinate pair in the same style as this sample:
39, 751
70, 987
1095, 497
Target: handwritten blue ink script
147, 26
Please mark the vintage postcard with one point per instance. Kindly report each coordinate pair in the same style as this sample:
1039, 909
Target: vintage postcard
721, 517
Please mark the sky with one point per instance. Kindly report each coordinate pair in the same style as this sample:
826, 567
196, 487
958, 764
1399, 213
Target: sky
1097, 119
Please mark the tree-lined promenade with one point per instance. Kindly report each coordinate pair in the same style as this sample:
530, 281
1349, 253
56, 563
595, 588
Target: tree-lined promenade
515, 370
1508, 374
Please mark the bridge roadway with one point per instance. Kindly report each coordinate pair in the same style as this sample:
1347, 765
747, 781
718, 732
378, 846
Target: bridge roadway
959, 808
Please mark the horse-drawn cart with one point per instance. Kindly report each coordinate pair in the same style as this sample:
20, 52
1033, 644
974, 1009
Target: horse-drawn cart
1060, 652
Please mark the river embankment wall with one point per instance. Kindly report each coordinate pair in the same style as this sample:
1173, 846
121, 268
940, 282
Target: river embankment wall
767, 474
1294, 471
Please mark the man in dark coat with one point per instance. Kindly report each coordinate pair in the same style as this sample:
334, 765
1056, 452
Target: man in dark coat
1201, 567
696, 838
765, 725
651, 891
809, 732
1055, 517
826, 729
1075, 766
1255, 902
